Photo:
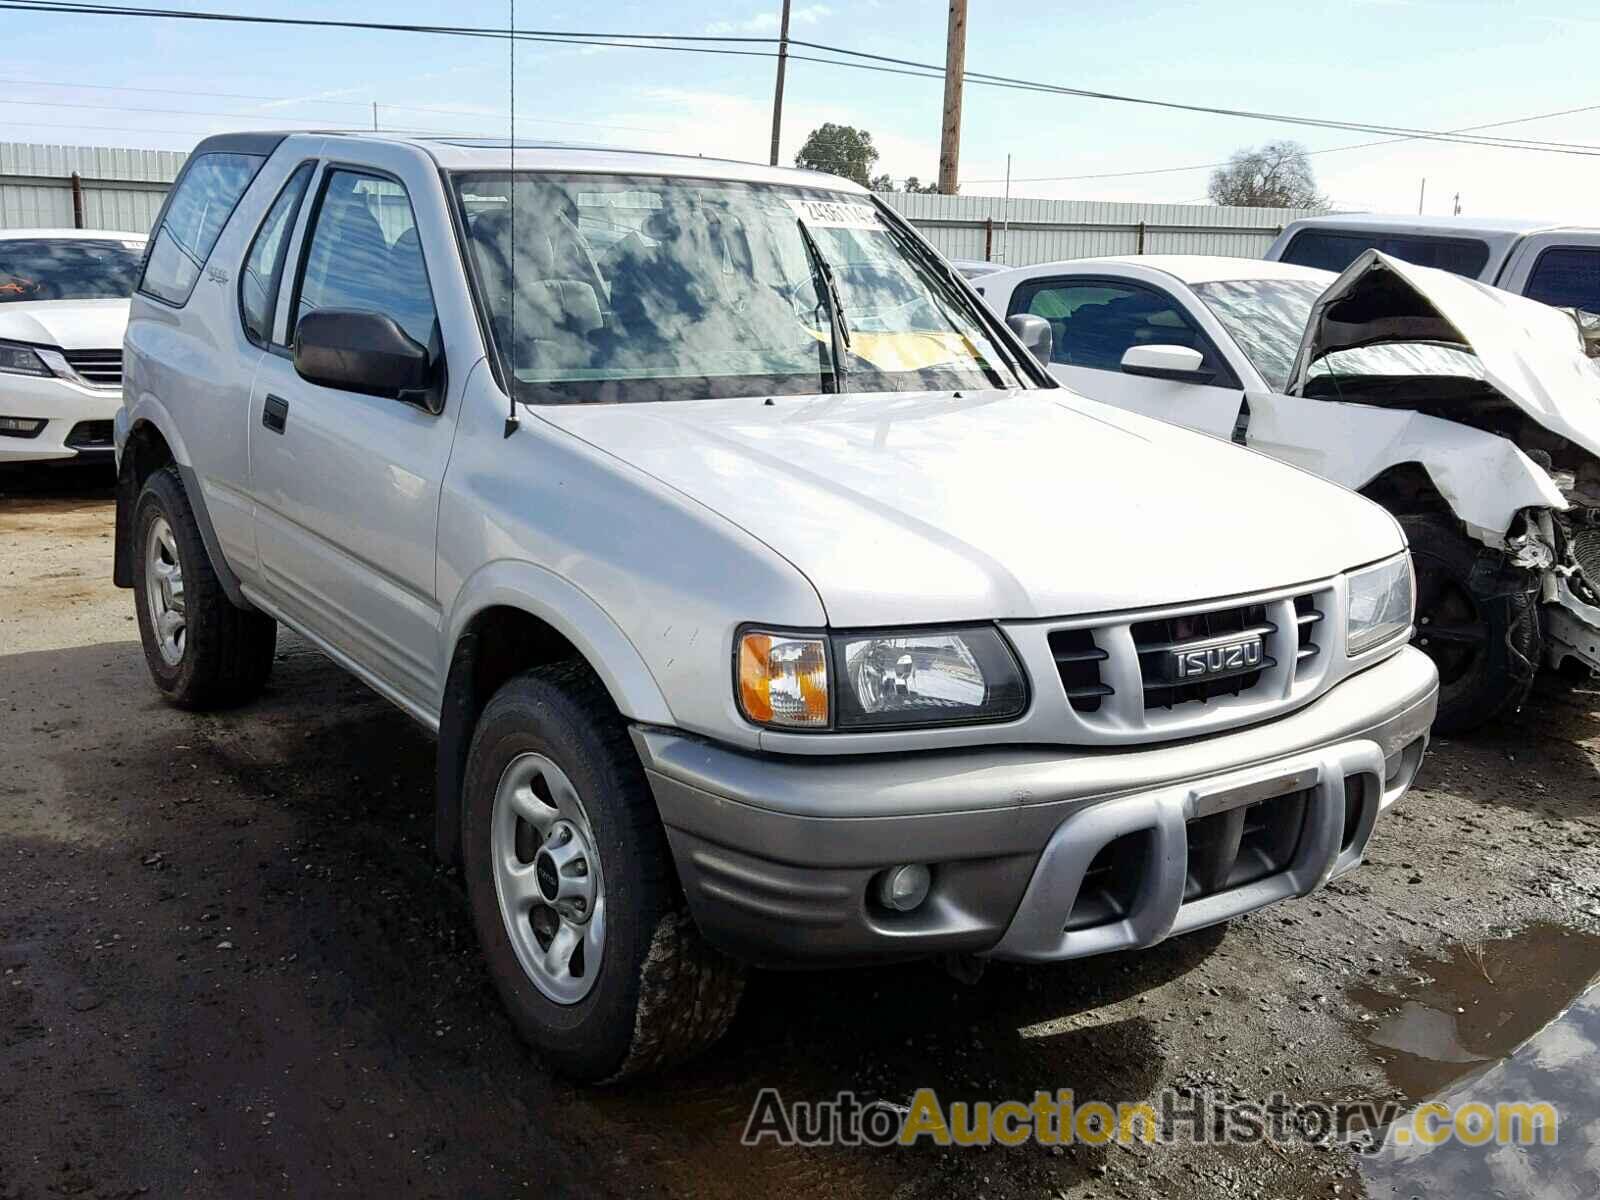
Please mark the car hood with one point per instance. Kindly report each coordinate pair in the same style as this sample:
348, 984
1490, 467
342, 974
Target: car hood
933, 507
1530, 353
69, 324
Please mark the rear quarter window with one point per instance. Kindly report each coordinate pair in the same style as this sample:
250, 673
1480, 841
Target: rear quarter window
1334, 250
193, 219
1567, 277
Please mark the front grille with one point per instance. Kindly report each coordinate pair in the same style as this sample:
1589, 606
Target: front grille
90, 435
1078, 660
102, 368
1134, 674
1307, 619
1156, 640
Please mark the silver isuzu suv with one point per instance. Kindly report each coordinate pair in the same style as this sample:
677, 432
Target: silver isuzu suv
770, 602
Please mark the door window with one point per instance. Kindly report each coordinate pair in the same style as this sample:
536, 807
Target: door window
1096, 322
263, 267
365, 254
198, 208
1567, 277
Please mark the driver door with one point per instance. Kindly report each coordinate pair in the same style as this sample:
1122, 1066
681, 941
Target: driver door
1097, 320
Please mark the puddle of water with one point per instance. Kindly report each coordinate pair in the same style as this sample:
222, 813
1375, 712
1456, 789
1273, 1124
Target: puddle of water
1494, 1022
1478, 1005
1557, 1066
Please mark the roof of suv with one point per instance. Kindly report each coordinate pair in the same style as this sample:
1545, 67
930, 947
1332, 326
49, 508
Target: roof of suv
1458, 226
497, 154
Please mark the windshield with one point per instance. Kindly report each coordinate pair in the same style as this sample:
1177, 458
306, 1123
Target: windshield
645, 288
1267, 317
68, 268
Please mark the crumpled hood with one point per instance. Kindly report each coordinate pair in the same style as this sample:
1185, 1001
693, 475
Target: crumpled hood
928, 507
69, 324
1530, 353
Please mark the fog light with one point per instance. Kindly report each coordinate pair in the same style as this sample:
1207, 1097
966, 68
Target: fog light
903, 888
20, 426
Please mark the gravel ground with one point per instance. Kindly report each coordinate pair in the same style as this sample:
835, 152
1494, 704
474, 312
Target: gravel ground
231, 965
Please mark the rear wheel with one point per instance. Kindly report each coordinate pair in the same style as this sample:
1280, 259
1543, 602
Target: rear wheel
1484, 640
573, 893
202, 650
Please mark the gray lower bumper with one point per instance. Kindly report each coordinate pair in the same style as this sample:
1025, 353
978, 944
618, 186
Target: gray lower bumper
777, 855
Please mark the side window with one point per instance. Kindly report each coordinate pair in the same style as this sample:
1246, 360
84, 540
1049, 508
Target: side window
204, 200
1332, 251
1567, 277
365, 253
263, 266
1095, 322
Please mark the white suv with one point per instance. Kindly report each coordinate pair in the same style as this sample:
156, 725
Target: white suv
63, 308
770, 602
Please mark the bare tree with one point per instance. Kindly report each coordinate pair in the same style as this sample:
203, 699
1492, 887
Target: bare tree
1276, 175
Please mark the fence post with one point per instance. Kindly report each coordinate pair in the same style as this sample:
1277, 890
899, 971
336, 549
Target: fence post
1139, 245
77, 201
988, 239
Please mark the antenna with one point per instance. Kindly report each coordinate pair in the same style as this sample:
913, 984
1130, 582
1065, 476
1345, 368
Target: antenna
511, 198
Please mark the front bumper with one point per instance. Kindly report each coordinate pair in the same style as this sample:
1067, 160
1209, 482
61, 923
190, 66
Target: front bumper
77, 419
1037, 853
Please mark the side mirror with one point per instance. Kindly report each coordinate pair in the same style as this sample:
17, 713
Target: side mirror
1182, 364
359, 352
1034, 333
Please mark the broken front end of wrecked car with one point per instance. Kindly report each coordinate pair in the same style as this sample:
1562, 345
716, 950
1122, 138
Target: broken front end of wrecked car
1474, 415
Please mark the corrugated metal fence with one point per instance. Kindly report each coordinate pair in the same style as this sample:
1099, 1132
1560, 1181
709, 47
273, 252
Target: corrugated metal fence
1048, 230
87, 187
100, 187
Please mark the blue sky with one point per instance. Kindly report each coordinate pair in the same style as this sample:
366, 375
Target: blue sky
1420, 63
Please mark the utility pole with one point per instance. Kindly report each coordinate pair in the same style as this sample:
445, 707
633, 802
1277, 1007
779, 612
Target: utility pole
374, 116
1458, 204
1005, 235
955, 67
1422, 195
777, 95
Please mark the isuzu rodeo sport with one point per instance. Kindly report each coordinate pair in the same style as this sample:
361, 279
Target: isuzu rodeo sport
770, 602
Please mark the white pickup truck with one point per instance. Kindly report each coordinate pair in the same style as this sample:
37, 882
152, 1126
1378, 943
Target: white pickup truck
1557, 265
770, 602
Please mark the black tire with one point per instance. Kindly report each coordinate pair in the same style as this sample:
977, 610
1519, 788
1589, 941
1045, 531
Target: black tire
1485, 640
660, 995
227, 651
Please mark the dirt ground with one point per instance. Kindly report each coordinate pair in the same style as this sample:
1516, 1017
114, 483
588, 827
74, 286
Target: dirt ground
232, 966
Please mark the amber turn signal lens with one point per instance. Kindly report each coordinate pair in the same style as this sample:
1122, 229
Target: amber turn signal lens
783, 680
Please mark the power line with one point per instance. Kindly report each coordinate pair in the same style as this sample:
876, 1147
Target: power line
1565, 112
876, 62
284, 100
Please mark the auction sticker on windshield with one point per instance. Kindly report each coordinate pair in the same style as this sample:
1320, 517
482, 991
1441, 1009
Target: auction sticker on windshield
834, 214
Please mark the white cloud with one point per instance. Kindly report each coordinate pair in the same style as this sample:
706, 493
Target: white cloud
767, 22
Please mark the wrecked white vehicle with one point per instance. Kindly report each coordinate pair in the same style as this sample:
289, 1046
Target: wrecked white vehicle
1471, 414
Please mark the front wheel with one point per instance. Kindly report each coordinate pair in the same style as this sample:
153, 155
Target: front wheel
1485, 641
572, 888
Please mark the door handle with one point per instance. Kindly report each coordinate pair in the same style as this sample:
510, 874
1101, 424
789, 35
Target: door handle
275, 413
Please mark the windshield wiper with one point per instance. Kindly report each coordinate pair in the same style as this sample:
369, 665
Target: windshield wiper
828, 290
951, 284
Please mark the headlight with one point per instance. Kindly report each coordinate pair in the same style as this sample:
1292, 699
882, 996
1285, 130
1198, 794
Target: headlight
927, 678
1381, 601
883, 679
16, 359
